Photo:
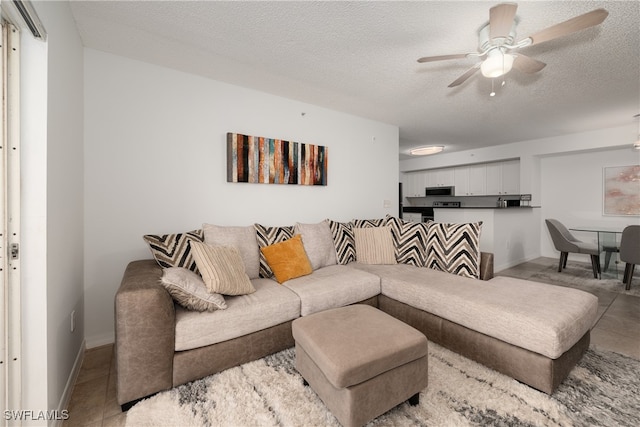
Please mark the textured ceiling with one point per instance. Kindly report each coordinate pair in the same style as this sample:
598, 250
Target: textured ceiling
360, 58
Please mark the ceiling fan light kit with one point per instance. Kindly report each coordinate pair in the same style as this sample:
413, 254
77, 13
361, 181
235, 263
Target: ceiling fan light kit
426, 150
497, 63
496, 42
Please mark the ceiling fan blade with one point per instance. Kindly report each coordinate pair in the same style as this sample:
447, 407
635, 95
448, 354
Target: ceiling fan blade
470, 72
527, 65
501, 19
589, 19
442, 57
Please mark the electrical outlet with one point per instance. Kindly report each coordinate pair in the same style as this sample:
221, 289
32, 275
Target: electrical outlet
386, 203
73, 320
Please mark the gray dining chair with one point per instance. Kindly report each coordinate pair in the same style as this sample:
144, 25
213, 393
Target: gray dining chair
566, 243
630, 252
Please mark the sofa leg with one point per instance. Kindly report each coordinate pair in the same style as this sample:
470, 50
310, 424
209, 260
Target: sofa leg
126, 406
415, 399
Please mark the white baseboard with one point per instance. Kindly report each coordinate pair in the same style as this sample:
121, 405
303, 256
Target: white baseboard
71, 381
498, 268
100, 340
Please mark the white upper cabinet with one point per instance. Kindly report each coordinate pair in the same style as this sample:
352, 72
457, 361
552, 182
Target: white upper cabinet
493, 182
503, 178
440, 177
511, 177
469, 180
487, 179
414, 184
461, 180
477, 180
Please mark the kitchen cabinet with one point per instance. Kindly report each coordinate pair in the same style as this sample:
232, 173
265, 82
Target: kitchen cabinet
493, 178
470, 180
503, 178
511, 177
461, 180
414, 184
496, 178
477, 180
440, 177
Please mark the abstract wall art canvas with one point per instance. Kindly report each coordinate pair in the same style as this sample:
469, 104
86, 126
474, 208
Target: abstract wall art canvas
262, 160
621, 190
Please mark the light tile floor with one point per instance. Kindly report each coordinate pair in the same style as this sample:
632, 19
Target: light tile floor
93, 401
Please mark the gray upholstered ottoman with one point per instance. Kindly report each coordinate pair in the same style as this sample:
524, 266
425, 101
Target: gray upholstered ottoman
360, 361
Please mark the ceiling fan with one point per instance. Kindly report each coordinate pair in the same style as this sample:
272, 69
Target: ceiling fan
496, 43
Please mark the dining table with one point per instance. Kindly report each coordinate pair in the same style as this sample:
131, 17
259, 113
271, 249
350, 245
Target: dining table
608, 240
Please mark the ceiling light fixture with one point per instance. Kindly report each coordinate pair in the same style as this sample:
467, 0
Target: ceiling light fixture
497, 63
426, 151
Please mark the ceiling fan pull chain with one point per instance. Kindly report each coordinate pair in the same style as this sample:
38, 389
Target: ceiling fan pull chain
493, 92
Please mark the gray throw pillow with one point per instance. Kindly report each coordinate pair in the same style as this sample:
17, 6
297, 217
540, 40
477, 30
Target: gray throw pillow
318, 243
242, 238
188, 289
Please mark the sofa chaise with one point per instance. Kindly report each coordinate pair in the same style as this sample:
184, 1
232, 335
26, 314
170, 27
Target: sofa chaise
431, 276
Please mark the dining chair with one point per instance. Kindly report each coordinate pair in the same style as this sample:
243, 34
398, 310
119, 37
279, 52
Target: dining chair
630, 252
565, 242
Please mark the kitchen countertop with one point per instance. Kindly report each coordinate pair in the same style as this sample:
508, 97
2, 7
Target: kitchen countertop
486, 207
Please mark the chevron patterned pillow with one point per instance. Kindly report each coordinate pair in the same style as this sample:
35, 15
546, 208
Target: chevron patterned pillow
268, 236
410, 241
343, 239
454, 248
174, 250
364, 223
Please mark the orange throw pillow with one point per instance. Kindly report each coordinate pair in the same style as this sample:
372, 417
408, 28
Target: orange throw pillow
287, 259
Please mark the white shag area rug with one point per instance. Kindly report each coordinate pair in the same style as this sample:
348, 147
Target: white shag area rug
602, 390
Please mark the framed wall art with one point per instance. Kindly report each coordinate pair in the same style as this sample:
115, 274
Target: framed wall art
263, 160
621, 190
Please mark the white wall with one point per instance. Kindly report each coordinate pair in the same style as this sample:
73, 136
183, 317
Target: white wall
572, 192
52, 207
65, 195
155, 162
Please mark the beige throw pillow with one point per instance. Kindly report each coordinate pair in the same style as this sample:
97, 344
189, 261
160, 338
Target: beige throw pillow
222, 269
374, 245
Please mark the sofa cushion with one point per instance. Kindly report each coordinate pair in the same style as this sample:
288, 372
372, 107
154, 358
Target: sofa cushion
454, 248
188, 289
222, 269
333, 286
270, 305
268, 236
287, 259
242, 238
318, 243
542, 318
173, 250
374, 245
344, 241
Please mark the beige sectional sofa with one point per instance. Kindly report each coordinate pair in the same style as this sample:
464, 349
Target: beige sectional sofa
533, 332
